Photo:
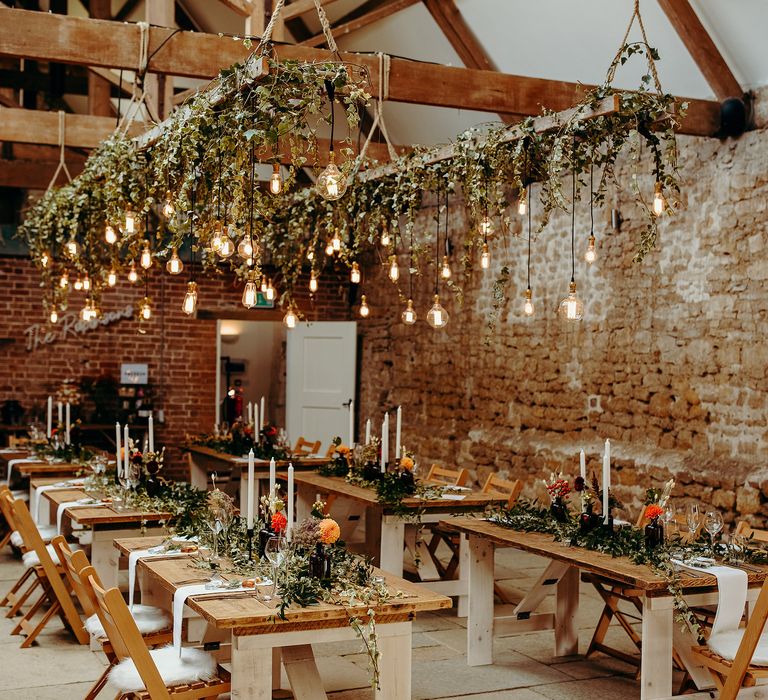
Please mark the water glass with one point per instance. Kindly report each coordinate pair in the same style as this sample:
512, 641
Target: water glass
713, 523
693, 518
275, 550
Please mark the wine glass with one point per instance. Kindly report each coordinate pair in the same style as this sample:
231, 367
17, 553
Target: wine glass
125, 482
214, 525
693, 518
669, 519
275, 553
713, 523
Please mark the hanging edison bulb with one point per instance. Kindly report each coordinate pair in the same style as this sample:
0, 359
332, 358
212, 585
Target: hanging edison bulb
485, 226
331, 184
146, 256
145, 309
276, 179
437, 316
189, 305
528, 303
409, 315
336, 241
385, 237
571, 307
445, 270
64, 280
73, 248
227, 246
245, 248
110, 236
133, 275
522, 203
174, 264
312, 282
112, 277
310, 255
168, 209
365, 310
329, 247
130, 221
591, 255
354, 275
394, 270
54, 316
85, 312
263, 285
659, 203
78, 285
290, 319
95, 310
86, 282
270, 293
250, 293
485, 257
45, 259
216, 238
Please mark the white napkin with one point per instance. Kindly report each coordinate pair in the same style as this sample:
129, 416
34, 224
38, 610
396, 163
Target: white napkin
13, 462
454, 496
731, 592
40, 490
133, 559
82, 503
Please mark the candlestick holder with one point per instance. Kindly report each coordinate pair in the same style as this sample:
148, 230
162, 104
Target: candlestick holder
249, 532
608, 523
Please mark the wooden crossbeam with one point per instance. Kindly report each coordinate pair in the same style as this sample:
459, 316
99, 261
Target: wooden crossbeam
49, 37
702, 48
301, 7
244, 8
33, 174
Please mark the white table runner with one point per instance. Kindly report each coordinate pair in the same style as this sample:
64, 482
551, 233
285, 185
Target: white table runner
133, 559
13, 462
82, 503
40, 490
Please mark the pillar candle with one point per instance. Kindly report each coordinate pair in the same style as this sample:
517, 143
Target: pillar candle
151, 430
272, 477
251, 486
67, 426
368, 431
606, 478
60, 412
398, 429
117, 449
126, 450
261, 413
351, 422
582, 465
290, 500
50, 416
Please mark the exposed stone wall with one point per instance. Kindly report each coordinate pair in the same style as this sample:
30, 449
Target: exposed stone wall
669, 362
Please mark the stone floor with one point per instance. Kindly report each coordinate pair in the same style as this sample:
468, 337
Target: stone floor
524, 667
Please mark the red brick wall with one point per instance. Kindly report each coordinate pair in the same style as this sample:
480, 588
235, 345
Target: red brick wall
180, 351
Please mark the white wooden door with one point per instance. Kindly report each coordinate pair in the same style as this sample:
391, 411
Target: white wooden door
321, 364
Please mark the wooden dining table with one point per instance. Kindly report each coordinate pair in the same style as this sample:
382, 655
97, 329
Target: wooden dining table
260, 639
561, 577
106, 523
386, 535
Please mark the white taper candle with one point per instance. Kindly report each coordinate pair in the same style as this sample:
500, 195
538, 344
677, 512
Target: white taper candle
272, 477
151, 431
261, 413
67, 424
117, 449
368, 431
251, 489
290, 500
50, 417
398, 430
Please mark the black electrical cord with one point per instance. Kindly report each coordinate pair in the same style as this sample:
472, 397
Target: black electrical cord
573, 225
591, 201
250, 216
529, 235
437, 242
192, 238
331, 90
119, 98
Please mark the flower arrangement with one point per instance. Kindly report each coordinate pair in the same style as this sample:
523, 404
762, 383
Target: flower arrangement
557, 486
240, 439
329, 531
653, 511
272, 444
341, 462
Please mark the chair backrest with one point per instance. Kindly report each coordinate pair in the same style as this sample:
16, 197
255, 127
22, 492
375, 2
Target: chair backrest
494, 484
33, 541
744, 529
452, 477
18, 441
304, 448
74, 563
6, 506
125, 638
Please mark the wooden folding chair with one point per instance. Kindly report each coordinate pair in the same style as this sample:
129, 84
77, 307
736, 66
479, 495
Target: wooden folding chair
55, 592
305, 448
130, 649
450, 477
79, 572
744, 529
7, 525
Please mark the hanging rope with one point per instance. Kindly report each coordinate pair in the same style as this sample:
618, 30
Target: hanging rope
139, 91
649, 59
62, 162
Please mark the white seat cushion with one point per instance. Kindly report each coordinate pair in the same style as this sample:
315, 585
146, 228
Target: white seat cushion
193, 665
727, 644
31, 559
22, 494
47, 532
148, 620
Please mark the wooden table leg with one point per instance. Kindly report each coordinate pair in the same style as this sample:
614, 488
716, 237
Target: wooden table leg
480, 617
104, 557
463, 604
198, 475
656, 658
392, 543
566, 607
303, 676
395, 662
251, 671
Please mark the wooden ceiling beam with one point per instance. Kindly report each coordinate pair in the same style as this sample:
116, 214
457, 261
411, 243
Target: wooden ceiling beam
244, 8
301, 7
702, 48
48, 37
33, 174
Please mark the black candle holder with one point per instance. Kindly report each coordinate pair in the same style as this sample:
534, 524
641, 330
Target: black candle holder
249, 532
608, 524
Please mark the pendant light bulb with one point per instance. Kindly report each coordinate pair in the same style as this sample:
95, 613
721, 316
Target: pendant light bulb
45, 259
591, 255
146, 256
245, 248
216, 238
174, 264
394, 270
364, 308
112, 278
354, 275
571, 307
276, 179
409, 315
110, 236
85, 312
133, 275
437, 316
64, 280
290, 319
329, 247
485, 257
263, 285
78, 285
659, 203
145, 309
310, 255
271, 293
445, 271
522, 203
227, 246
168, 209
331, 184
336, 241
130, 221
312, 282
189, 305
486, 226
385, 238
528, 304
86, 283
54, 317
73, 248
250, 294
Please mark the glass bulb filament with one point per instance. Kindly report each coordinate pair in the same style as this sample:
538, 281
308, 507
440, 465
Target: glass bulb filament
659, 203
45, 259
271, 293
86, 283
591, 255
289, 320
130, 221
336, 242
133, 275
331, 184
354, 275
313, 283
146, 256
486, 226
112, 278
78, 285
364, 308
437, 316
409, 315
73, 248
329, 248
394, 270
216, 238
276, 179
54, 317
571, 307
250, 294
189, 305
385, 238
168, 209
64, 280
485, 257
522, 203
528, 304
445, 271
226, 247
109, 235
145, 309
174, 264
